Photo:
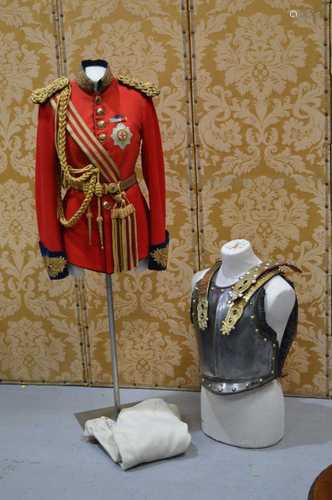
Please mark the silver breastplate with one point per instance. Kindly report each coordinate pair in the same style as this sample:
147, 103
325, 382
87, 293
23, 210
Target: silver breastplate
249, 356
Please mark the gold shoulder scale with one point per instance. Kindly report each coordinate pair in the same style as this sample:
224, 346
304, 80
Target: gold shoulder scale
244, 289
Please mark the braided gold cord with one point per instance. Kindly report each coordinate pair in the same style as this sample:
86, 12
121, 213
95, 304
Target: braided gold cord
148, 88
41, 95
89, 173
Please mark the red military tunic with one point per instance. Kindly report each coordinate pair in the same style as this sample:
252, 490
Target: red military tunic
102, 111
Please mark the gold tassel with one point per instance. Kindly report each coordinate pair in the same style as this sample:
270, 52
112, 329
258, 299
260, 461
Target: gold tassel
100, 224
89, 217
124, 241
99, 194
130, 243
123, 221
115, 246
135, 251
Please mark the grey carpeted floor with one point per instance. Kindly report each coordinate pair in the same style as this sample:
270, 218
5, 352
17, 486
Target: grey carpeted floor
44, 457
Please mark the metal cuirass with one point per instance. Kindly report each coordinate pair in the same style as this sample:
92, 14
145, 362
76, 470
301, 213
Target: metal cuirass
238, 350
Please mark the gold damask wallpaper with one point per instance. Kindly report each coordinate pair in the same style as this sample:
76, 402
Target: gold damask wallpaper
262, 132
244, 113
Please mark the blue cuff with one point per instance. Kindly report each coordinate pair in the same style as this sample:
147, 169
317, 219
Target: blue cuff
56, 263
158, 255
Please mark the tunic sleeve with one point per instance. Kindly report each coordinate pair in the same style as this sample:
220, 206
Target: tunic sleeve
154, 176
46, 189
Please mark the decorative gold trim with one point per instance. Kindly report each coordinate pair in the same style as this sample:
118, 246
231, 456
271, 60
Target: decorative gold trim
160, 255
41, 95
241, 291
148, 88
202, 313
202, 287
55, 265
237, 306
251, 276
245, 288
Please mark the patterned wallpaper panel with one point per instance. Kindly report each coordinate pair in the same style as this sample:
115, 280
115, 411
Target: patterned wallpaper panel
244, 121
156, 346
39, 338
262, 132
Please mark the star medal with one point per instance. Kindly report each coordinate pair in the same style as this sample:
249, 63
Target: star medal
121, 135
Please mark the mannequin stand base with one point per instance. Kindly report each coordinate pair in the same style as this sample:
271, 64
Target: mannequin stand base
109, 411
253, 419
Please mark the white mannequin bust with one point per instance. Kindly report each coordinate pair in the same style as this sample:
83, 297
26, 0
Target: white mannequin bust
253, 419
95, 73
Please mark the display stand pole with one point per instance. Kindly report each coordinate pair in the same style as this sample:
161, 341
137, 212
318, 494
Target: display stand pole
114, 353
112, 411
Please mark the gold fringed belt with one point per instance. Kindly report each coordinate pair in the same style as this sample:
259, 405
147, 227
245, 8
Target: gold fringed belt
123, 217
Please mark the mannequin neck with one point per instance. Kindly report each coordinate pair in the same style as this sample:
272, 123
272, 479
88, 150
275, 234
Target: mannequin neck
95, 73
237, 258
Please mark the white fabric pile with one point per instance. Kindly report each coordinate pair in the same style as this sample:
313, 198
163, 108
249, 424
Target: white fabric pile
150, 430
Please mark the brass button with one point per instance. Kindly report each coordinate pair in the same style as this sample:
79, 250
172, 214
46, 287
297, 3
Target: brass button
100, 111
101, 124
106, 204
98, 99
101, 137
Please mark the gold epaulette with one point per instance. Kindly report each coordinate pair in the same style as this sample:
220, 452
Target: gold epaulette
148, 88
203, 286
41, 95
248, 284
241, 291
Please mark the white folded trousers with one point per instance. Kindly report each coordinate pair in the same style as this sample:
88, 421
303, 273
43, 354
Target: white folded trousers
151, 430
